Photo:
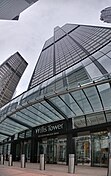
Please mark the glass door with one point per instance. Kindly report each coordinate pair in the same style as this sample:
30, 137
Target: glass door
100, 149
27, 146
42, 148
61, 151
83, 150
49, 148
18, 152
52, 150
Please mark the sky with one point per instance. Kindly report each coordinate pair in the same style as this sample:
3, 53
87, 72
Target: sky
36, 24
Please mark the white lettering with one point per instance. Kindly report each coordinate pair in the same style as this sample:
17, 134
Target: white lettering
49, 128
55, 127
41, 129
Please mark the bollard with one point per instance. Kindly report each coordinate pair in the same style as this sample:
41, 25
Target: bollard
71, 166
23, 165
10, 160
2, 159
109, 167
42, 162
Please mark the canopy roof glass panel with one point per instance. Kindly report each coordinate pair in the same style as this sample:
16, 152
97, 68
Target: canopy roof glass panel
88, 104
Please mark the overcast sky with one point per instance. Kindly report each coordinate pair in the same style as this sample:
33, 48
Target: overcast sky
36, 24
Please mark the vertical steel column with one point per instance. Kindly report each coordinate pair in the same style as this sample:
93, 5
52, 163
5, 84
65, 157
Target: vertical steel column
10, 163
2, 159
70, 140
71, 166
109, 163
42, 162
23, 164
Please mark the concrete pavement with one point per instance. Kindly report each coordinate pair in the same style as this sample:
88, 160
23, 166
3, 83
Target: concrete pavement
32, 169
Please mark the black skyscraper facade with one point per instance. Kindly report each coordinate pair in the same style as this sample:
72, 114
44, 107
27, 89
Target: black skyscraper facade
72, 44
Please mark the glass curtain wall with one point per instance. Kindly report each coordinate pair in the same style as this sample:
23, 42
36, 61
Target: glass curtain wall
100, 147
27, 148
93, 149
18, 152
83, 150
54, 150
7, 151
23, 147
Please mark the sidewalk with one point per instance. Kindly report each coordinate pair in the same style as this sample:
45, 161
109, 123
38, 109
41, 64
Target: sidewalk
32, 169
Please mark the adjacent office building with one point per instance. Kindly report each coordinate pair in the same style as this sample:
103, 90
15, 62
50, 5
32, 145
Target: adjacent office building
106, 15
11, 9
10, 73
67, 107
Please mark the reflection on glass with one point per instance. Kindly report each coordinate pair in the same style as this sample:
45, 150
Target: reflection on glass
54, 150
83, 150
106, 63
28, 150
6, 151
93, 71
105, 92
100, 149
18, 152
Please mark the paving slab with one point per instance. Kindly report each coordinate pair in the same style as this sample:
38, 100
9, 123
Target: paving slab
32, 169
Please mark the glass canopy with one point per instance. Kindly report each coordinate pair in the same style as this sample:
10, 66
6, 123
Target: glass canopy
89, 103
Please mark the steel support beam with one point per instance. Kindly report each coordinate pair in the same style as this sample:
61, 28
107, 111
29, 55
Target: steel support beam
19, 122
5, 134
56, 108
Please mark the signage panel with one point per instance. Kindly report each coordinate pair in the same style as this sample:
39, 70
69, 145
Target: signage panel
59, 127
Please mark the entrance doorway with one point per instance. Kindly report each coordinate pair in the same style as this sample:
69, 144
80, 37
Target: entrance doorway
17, 152
27, 148
100, 149
83, 150
51, 154
93, 149
54, 150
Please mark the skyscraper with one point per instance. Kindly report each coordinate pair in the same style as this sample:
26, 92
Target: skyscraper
106, 15
70, 45
10, 73
67, 106
10, 9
